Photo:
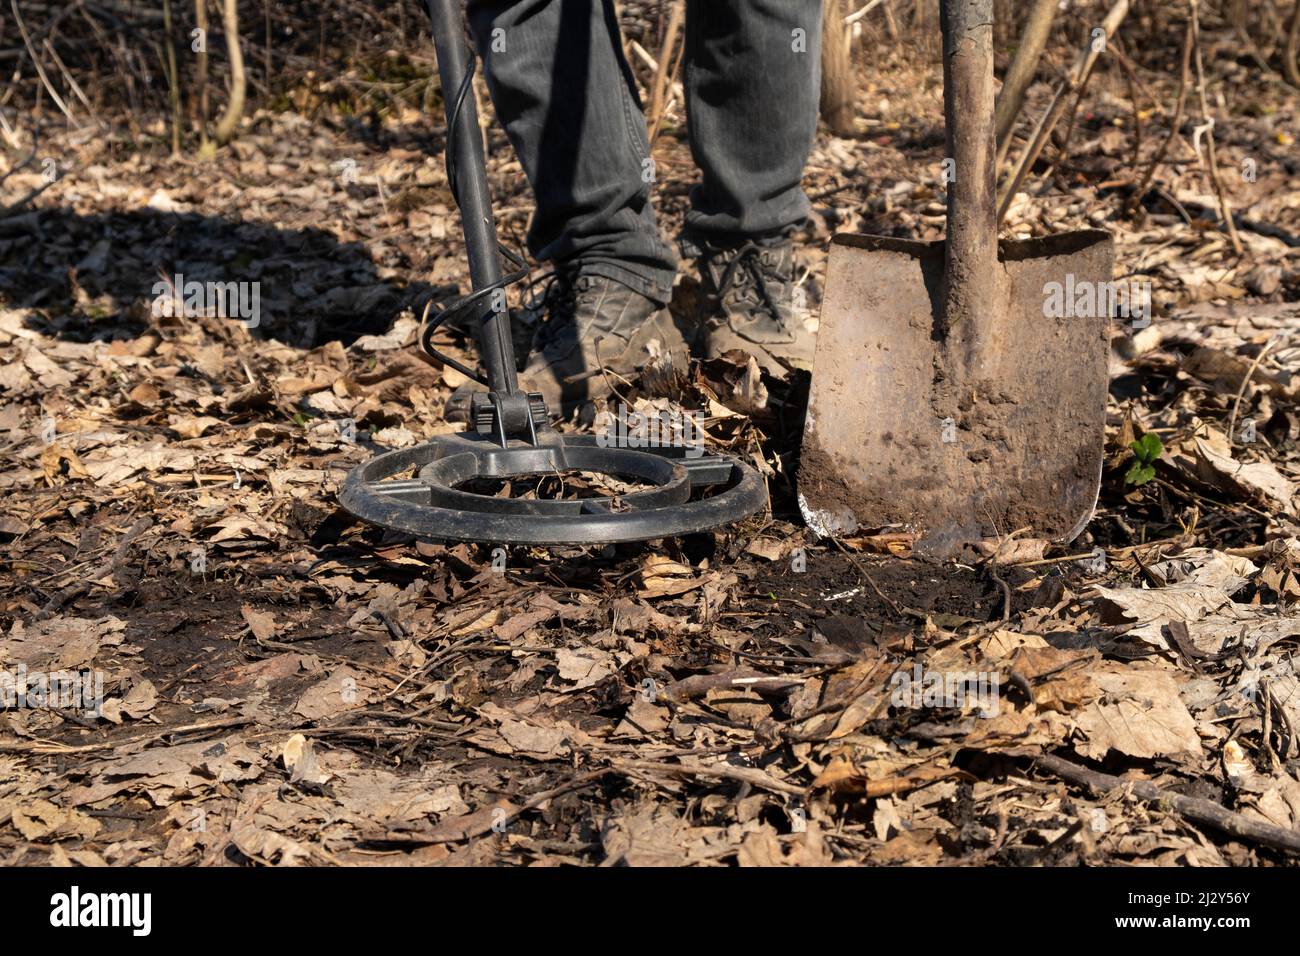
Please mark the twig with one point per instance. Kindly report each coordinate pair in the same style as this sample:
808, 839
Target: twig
1006, 592
1064, 559
1252, 48
73, 591
866, 577
229, 122
493, 815
40, 70
1245, 381
244, 815
1063, 140
40, 746
266, 21
31, 157
1130, 75
1291, 55
201, 69
173, 79
72, 82
1022, 70
9, 133
993, 570
1192, 808
1074, 82
1208, 122
1174, 125
854, 17
750, 775
666, 70
697, 685
12, 208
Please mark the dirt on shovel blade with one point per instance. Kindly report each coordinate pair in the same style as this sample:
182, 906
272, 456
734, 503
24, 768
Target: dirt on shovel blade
961, 437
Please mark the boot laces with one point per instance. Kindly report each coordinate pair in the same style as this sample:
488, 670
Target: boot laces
745, 274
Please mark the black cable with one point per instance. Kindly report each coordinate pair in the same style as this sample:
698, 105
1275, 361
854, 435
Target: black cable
467, 306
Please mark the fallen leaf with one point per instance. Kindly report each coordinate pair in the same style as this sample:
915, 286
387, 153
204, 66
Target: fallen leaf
188, 426
1141, 715
41, 819
261, 623
57, 459
585, 666
299, 758
769, 549
342, 691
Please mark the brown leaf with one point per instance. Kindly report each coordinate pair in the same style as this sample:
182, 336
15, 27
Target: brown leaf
769, 549
663, 577
188, 426
1141, 715
337, 694
41, 819
58, 461
470, 825
585, 666
261, 623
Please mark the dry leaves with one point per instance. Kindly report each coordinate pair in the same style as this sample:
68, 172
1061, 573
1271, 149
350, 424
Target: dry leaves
285, 687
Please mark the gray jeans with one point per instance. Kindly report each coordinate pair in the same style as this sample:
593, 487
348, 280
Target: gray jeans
560, 84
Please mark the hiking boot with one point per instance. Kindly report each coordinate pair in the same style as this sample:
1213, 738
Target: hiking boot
750, 302
592, 323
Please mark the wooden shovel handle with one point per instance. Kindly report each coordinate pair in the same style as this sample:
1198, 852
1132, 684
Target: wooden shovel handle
972, 250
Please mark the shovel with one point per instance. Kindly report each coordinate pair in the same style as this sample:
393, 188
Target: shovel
952, 394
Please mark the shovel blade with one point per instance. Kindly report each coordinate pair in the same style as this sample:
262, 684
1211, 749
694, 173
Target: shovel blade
995, 427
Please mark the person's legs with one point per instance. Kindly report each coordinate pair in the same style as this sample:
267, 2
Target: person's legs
752, 73
568, 101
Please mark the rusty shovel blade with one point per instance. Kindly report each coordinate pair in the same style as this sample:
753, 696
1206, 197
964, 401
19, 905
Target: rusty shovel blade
994, 427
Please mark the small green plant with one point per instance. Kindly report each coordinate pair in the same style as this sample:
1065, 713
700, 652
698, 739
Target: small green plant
1145, 452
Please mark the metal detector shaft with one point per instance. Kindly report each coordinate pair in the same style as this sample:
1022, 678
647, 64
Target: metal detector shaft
471, 190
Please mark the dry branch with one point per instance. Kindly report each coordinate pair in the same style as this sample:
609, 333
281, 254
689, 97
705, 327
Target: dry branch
1074, 82
1207, 124
1175, 123
1022, 70
1291, 55
1192, 808
225, 130
201, 66
36, 62
839, 84
666, 69
173, 77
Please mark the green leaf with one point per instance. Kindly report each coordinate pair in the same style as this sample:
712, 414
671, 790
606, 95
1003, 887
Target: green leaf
1139, 474
1147, 448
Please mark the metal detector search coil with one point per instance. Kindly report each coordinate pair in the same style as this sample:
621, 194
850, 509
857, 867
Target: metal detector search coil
431, 505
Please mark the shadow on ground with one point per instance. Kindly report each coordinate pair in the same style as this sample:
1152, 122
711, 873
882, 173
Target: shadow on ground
93, 277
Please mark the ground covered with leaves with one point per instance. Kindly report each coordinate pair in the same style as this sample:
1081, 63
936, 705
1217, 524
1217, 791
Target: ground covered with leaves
283, 685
